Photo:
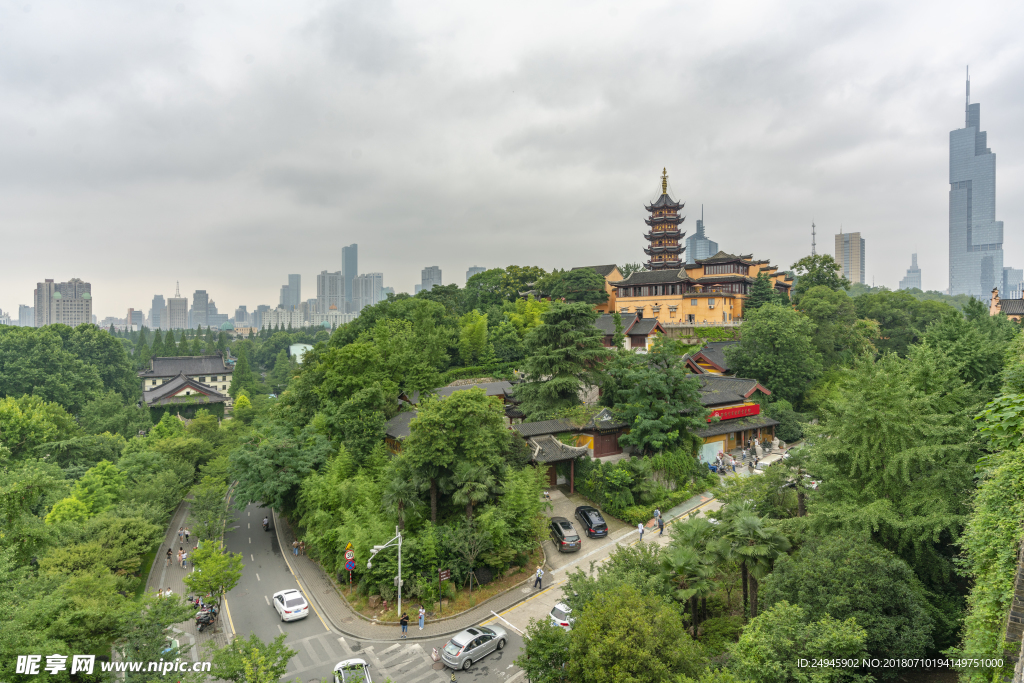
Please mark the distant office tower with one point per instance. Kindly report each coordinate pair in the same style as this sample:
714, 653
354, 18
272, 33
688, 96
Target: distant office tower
913, 278
349, 271
257, 315
241, 316
135, 319
291, 293
26, 316
177, 310
199, 315
330, 292
307, 308
473, 270
5, 318
975, 236
67, 303
158, 313
368, 290
850, 255
429, 277
1013, 284
698, 246
416, 289
385, 291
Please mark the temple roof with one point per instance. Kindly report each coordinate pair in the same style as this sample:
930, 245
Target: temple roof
665, 202
736, 425
716, 390
168, 392
603, 271
1011, 306
655, 277
723, 257
170, 366
714, 353
398, 426
549, 449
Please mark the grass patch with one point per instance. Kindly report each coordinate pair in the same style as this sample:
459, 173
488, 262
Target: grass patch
145, 567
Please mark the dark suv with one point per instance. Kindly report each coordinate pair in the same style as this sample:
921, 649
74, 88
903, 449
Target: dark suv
592, 522
564, 536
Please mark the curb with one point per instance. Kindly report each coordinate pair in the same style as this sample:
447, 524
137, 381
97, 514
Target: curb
337, 628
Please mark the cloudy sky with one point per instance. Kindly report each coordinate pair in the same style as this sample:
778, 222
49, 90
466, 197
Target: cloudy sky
225, 144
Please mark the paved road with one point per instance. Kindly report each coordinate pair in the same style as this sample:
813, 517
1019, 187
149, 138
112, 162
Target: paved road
319, 648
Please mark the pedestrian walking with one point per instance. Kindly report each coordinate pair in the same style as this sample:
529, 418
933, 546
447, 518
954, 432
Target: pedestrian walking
423, 616
538, 581
167, 593
405, 623
168, 563
295, 547
181, 532
179, 557
657, 513
640, 528
733, 462
186, 534
184, 560
302, 547
160, 593
661, 525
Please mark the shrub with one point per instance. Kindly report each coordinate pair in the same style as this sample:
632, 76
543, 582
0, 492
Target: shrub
718, 632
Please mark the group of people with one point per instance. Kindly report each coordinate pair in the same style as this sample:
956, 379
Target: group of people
298, 547
183, 534
404, 621
161, 593
723, 461
658, 520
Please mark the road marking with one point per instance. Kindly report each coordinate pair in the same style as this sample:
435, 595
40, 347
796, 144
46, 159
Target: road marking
267, 599
279, 628
251, 557
257, 576
520, 604
311, 602
228, 610
248, 525
250, 539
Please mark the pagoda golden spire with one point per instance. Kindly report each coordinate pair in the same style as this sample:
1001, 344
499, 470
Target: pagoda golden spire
664, 180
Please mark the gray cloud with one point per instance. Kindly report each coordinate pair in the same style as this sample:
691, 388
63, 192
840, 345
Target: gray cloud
228, 144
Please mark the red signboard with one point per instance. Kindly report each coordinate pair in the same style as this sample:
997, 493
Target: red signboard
735, 412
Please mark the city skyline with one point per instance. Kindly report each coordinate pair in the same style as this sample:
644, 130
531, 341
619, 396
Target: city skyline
804, 111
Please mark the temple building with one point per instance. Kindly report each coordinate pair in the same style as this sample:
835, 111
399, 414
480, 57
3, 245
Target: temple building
664, 235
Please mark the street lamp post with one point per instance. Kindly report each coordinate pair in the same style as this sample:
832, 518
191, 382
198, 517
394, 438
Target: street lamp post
397, 540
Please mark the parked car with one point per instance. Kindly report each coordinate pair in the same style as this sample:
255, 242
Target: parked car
290, 605
564, 536
471, 645
591, 521
352, 671
560, 616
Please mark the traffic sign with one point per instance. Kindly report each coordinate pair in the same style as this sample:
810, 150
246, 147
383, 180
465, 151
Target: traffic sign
350, 565
444, 575
350, 555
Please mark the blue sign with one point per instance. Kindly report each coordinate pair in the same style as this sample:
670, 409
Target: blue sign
350, 565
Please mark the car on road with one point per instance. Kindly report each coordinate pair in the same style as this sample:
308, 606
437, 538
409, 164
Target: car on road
352, 671
561, 615
564, 536
290, 604
471, 645
591, 521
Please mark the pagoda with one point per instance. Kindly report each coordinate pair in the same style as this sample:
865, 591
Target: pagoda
664, 235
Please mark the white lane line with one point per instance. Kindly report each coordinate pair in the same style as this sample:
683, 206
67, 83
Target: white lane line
279, 628
267, 599
257, 576
248, 525
250, 539
253, 559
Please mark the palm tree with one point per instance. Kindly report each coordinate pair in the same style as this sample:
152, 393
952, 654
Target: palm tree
400, 495
471, 484
756, 548
689, 571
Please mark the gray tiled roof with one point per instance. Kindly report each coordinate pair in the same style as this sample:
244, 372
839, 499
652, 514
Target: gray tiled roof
643, 326
654, 277
603, 271
164, 393
716, 390
549, 449
190, 365
398, 426
715, 352
1011, 306
606, 323
729, 426
723, 257
603, 421
528, 429
664, 202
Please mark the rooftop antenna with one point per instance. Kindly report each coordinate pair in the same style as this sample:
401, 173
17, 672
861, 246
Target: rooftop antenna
967, 106
176, 294
814, 245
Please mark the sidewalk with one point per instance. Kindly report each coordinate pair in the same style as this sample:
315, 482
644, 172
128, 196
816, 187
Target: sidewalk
162, 576
321, 590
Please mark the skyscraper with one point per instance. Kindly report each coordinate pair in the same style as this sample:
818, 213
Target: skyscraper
330, 291
199, 315
698, 246
26, 316
257, 315
913, 278
473, 270
429, 277
368, 290
135, 319
241, 316
158, 313
975, 236
68, 303
850, 255
291, 293
1013, 284
177, 311
349, 271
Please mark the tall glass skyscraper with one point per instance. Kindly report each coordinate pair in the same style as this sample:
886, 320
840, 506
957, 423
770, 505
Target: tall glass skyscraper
975, 236
698, 246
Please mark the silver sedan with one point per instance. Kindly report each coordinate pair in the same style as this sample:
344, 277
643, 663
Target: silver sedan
472, 645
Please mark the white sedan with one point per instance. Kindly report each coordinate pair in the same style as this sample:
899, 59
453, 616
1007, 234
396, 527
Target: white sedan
352, 671
290, 605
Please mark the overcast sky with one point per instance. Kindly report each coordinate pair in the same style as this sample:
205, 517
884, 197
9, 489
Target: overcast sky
227, 144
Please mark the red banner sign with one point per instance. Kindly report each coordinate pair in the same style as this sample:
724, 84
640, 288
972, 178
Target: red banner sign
735, 412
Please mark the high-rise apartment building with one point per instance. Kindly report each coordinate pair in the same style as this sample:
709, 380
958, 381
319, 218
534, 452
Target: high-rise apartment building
1013, 284
698, 246
473, 270
330, 292
67, 303
368, 290
850, 255
241, 316
913, 278
5, 318
975, 236
199, 315
177, 311
257, 315
349, 271
135, 319
158, 314
291, 293
26, 316
429, 278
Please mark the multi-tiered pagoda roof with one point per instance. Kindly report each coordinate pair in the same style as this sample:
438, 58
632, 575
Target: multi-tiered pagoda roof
664, 249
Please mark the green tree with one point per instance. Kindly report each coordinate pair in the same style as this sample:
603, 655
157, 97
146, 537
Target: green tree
207, 510
474, 348
281, 374
817, 270
484, 290
228, 662
902, 319
762, 292
628, 269
755, 546
471, 485
69, 509
976, 348
143, 634
217, 572
37, 362
401, 495
562, 355
628, 636
28, 422
581, 285
690, 574
619, 338
100, 487
242, 377
838, 335
518, 279
774, 643
271, 465
108, 412
507, 342
545, 652
777, 349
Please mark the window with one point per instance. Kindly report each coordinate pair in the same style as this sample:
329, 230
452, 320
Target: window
711, 302
693, 302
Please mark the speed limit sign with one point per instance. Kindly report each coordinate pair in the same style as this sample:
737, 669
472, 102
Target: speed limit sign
350, 555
